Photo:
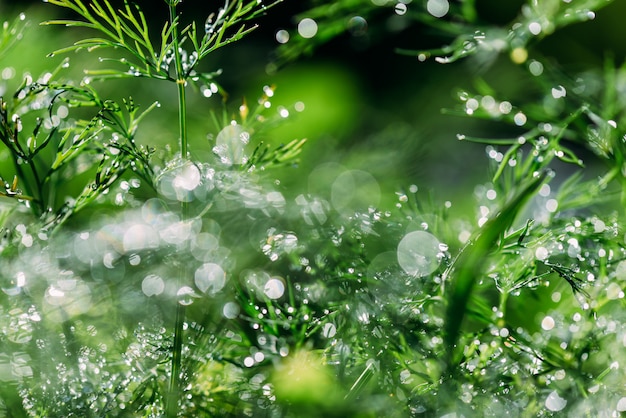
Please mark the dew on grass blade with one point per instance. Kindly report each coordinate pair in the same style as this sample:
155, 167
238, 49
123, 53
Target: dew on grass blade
274, 288
438, 8
282, 36
307, 28
179, 179
230, 144
554, 402
418, 253
354, 190
210, 278
152, 285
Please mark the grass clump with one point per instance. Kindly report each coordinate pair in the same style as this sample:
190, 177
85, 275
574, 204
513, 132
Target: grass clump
184, 280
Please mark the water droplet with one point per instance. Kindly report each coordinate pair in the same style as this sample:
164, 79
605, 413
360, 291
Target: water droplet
354, 190
541, 253
554, 402
329, 330
418, 253
210, 278
230, 144
621, 404
534, 28
438, 8
535, 68
185, 295
274, 288
179, 179
400, 8
548, 323
230, 310
282, 36
357, 26
307, 28
559, 92
520, 119
152, 285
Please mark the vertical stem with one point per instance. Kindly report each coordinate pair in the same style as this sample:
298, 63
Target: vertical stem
174, 392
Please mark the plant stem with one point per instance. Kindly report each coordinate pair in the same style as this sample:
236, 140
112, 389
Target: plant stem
174, 392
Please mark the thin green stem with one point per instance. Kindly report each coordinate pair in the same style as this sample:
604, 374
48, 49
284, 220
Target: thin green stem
175, 387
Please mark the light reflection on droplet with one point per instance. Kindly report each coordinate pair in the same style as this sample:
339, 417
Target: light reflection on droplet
357, 26
274, 288
230, 144
230, 310
152, 285
210, 278
559, 92
548, 323
282, 36
520, 119
554, 402
418, 253
400, 9
329, 330
307, 28
438, 8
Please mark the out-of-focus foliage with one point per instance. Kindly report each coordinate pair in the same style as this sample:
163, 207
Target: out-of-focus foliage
206, 283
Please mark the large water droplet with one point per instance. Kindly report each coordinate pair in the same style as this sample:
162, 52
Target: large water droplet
554, 402
210, 278
230, 144
274, 288
438, 8
354, 190
418, 253
307, 28
152, 285
179, 179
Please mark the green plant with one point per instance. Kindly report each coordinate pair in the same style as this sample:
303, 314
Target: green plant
186, 283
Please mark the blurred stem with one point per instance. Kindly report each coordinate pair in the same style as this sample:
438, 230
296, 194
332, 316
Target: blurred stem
174, 392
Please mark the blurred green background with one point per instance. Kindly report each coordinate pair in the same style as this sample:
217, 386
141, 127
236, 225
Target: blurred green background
366, 107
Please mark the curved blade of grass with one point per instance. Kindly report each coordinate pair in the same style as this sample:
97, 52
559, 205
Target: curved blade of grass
469, 264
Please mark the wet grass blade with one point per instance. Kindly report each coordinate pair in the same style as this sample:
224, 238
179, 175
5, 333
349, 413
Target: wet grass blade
469, 265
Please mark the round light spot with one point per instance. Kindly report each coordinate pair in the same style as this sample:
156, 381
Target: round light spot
559, 92
541, 253
354, 190
152, 285
307, 28
282, 36
210, 278
230, 310
274, 288
520, 119
552, 205
534, 28
400, 9
329, 330
548, 323
554, 402
418, 253
438, 8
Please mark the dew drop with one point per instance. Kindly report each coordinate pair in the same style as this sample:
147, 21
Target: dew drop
230, 144
438, 8
307, 28
274, 288
554, 402
230, 310
282, 36
152, 285
417, 253
548, 323
559, 92
400, 9
210, 278
329, 330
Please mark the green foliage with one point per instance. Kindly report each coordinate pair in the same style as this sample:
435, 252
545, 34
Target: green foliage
196, 288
